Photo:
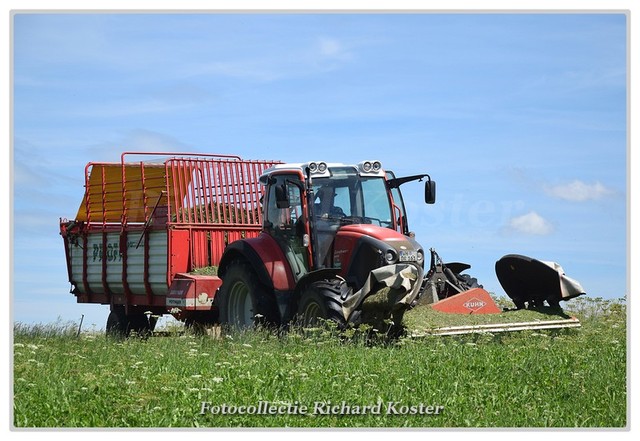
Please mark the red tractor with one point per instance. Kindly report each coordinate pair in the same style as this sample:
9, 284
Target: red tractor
334, 238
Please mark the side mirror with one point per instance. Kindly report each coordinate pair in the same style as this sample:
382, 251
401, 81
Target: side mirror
282, 196
430, 192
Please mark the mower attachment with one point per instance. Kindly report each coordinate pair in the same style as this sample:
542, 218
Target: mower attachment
447, 290
529, 282
445, 280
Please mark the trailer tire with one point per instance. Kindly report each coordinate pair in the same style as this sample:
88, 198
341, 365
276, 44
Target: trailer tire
243, 302
117, 323
120, 325
322, 301
142, 324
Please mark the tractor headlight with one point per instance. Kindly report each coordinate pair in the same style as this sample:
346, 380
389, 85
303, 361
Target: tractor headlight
390, 256
370, 166
420, 256
317, 167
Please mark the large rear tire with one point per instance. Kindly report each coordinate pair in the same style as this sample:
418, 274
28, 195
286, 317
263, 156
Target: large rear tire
243, 302
321, 302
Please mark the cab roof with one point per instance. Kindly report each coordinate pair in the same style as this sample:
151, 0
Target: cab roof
321, 169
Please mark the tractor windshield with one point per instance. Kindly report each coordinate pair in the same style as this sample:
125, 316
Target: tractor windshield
347, 198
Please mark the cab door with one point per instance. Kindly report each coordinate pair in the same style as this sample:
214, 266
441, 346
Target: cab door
285, 220
399, 212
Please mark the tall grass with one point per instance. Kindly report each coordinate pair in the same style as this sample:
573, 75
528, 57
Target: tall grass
43, 330
561, 378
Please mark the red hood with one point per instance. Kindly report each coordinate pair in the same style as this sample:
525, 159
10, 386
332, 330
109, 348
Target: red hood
380, 233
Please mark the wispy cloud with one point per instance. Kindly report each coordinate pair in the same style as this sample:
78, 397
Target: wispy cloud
34, 168
531, 223
256, 70
137, 140
578, 191
317, 56
147, 140
333, 48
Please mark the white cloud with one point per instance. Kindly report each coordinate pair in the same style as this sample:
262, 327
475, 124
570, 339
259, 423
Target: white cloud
323, 53
135, 140
531, 223
578, 191
150, 141
332, 48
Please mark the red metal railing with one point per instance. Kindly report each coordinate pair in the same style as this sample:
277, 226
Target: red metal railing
215, 192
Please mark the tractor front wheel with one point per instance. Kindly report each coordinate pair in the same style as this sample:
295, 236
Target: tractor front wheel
320, 302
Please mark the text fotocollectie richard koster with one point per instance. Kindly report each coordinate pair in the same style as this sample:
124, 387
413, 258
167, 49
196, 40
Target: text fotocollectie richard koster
320, 408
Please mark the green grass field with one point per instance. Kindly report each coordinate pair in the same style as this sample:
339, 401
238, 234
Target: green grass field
559, 378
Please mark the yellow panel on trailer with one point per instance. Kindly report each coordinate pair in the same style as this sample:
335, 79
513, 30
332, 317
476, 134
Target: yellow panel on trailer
105, 191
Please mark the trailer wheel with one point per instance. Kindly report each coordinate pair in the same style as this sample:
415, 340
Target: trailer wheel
117, 323
142, 324
322, 301
243, 302
120, 325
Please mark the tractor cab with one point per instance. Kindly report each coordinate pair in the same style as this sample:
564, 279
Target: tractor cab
307, 204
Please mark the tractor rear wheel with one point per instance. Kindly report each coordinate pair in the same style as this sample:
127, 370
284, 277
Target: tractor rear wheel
321, 301
243, 302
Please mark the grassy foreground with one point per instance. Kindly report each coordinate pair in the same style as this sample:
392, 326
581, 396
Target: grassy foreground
561, 378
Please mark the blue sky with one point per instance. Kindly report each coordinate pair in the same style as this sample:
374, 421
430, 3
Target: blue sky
520, 118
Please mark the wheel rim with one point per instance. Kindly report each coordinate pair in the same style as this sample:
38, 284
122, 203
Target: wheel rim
240, 306
311, 314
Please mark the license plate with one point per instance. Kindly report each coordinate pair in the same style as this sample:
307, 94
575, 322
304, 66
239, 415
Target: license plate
408, 256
